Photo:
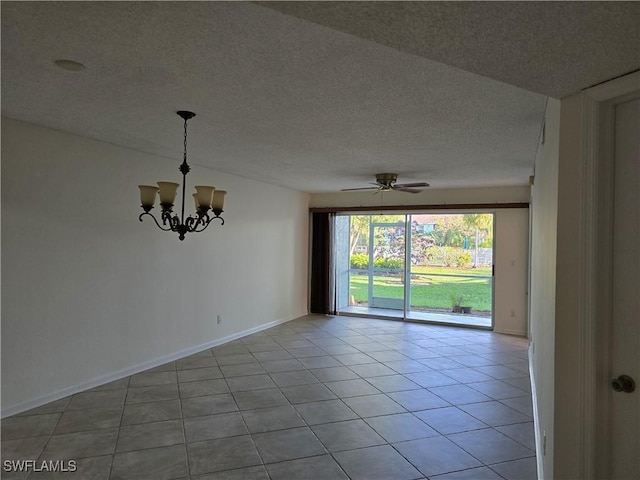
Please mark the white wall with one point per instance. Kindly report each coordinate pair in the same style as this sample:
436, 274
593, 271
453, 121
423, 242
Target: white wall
544, 227
90, 293
511, 271
511, 238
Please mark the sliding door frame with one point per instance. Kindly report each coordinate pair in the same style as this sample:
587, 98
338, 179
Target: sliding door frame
407, 213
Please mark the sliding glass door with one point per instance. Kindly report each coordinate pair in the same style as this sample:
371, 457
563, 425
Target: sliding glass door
386, 265
429, 267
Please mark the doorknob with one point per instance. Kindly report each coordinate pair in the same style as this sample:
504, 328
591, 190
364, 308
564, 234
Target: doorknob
623, 383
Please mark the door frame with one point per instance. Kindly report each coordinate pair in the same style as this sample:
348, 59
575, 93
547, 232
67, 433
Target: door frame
589, 120
372, 228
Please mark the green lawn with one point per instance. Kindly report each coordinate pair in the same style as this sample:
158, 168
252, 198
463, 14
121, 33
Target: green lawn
479, 271
429, 291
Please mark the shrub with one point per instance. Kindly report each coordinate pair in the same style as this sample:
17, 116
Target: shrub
434, 256
360, 261
395, 263
449, 256
392, 263
463, 259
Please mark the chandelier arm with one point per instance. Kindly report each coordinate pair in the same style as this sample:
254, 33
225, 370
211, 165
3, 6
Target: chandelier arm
218, 217
206, 220
168, 220
155, 220
175, 223
203, 225
191, 223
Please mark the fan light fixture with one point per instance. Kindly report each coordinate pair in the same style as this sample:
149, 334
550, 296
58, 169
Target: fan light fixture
205, 198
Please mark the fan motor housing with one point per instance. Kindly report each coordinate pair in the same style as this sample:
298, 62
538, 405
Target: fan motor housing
386, 179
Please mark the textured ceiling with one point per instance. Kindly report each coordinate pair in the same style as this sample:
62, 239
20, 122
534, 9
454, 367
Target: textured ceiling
279, 99
552, 48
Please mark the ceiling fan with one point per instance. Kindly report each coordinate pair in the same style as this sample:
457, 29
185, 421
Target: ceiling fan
387, 181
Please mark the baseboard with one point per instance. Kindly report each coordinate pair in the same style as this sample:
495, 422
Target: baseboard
536, 420
141, 367
506, 331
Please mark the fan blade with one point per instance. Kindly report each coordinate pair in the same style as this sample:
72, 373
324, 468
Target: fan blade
352, 189
420, 184
406, 190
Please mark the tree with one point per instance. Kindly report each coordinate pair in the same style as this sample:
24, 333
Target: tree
359, 229
450, 231
478, 222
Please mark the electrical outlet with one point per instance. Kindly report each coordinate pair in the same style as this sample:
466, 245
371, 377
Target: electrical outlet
513, 313
219, 320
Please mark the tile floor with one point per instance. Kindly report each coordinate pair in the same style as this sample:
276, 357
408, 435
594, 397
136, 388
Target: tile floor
315, 398
453, 319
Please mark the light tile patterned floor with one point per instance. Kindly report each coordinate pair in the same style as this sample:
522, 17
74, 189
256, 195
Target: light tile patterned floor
315, 398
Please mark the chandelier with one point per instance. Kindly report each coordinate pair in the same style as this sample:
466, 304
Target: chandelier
205, 198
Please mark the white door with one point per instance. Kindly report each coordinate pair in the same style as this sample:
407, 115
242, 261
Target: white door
625, 347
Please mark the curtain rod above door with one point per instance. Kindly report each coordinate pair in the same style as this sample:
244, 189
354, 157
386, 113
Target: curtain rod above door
406, 208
